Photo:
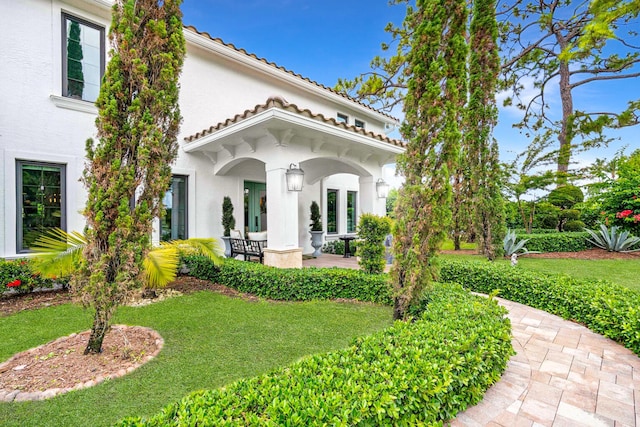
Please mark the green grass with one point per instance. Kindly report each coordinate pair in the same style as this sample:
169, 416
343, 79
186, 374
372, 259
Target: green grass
210, 340
622, 272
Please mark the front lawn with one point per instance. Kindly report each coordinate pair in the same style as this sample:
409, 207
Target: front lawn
210, 340
625, 272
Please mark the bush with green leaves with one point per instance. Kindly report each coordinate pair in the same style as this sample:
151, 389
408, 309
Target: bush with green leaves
372, 230
557, 242
337, 247
293, 284
413, 373
613, 240
228, 220
20, 276
606, 308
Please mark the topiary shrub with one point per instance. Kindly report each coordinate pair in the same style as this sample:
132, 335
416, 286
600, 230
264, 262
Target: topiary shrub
413, 373
608, 309
573, 225
372, 230
228, 221
316, 218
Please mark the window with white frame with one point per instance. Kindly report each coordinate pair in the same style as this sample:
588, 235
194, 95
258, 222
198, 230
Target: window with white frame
343, 118
83, 56
358, 123
40, 204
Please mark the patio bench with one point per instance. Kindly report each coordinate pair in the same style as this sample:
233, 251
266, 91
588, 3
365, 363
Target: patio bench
248, 248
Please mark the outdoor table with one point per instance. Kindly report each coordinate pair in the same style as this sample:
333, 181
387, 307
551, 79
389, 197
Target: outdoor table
346, 240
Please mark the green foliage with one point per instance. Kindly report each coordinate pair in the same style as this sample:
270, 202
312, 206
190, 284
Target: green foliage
293, 284
557, 242
436, 66
316, 218
392, 199
612, 240
565, 196
608, 309
228, 221
75, 82
137, 127
337, 247
372, 230
420, 373
620, 203
20, 276
573, 225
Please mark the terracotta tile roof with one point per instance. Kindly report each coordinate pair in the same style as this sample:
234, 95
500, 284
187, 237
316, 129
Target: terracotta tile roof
278, 102
279, 67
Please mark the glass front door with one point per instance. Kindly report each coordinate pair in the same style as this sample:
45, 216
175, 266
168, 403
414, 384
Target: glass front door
255, 206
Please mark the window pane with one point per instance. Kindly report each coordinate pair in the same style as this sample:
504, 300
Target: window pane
40, 205
83, 56
173, 225
351, 211
332, 211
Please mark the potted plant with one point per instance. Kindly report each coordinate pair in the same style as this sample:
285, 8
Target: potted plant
228, 223
316, 229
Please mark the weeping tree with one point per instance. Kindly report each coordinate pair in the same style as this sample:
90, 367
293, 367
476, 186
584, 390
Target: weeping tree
433, 110
481, 115
128, 169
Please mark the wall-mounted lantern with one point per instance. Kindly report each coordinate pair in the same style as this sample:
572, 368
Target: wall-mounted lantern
382, 188
295, 177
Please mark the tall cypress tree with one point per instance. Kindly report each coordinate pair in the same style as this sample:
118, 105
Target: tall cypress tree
433, 111
137, 126
75, 81
481, 149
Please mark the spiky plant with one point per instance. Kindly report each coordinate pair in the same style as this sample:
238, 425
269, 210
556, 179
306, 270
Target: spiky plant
612, 240
511, 245
60, 253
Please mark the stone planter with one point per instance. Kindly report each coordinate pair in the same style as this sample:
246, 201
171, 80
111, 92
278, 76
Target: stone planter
227, 246
316, 242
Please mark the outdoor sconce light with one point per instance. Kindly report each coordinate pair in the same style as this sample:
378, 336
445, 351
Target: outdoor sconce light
382, 188
295, 176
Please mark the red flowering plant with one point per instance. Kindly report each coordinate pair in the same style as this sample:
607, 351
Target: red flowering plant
19, 276
621, 200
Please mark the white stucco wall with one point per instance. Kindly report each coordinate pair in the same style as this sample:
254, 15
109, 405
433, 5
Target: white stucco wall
37, 124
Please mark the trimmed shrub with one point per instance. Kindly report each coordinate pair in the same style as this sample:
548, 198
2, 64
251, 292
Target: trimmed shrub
337, 247
372, 229
19, 275
557, 242
419, 373
293, 284
520, 231
608, 309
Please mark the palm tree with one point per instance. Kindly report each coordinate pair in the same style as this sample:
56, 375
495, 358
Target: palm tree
60, 252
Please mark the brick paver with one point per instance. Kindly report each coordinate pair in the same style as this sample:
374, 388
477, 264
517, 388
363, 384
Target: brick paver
569, 376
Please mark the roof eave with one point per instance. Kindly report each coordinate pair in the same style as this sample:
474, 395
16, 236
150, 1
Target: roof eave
206, 42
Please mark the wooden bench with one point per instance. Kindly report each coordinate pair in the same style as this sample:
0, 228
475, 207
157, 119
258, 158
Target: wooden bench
248, 248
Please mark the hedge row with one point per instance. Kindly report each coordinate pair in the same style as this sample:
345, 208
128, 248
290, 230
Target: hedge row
557, 242
293, 284
606, 308
419, 373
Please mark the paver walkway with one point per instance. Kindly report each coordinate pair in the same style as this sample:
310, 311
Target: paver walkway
562, 375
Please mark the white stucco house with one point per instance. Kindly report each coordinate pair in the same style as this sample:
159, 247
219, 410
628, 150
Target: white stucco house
246, 121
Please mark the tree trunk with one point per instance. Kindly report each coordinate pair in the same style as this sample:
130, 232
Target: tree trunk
98, 331
566, 132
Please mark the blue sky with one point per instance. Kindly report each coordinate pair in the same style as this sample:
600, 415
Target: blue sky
325, 40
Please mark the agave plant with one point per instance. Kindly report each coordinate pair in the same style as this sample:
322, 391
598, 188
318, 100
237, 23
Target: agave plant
512, 246
612, 240
60, 253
